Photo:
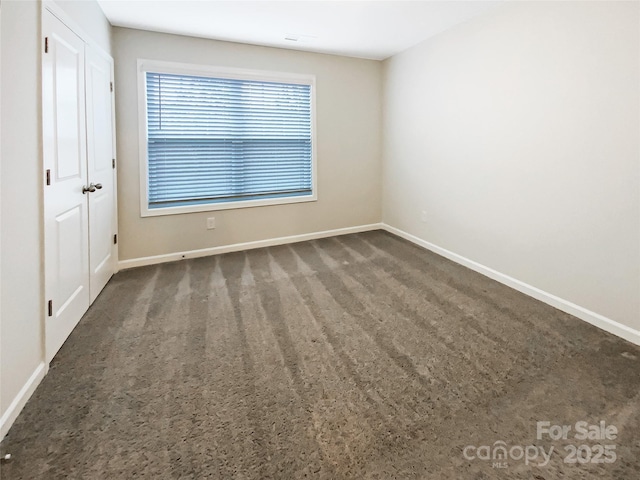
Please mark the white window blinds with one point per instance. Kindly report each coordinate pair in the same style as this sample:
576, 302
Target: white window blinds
212, 140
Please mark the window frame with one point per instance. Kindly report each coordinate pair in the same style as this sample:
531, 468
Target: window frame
145, 65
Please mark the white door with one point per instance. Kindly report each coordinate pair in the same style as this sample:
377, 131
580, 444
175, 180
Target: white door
65, 164
102, 202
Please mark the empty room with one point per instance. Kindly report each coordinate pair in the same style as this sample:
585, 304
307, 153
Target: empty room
319, 239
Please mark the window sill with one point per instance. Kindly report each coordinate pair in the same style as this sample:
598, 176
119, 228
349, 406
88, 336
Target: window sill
213, 207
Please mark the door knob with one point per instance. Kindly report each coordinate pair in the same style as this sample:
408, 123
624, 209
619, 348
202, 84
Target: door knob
92, 187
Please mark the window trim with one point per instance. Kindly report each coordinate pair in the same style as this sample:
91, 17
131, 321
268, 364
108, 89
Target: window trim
145, 65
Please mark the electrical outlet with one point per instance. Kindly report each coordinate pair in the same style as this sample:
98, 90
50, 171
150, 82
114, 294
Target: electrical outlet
211, 223
423, 216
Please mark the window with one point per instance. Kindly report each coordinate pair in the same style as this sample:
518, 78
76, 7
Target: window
218, 138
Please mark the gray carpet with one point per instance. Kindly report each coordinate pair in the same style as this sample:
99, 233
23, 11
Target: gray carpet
360, 356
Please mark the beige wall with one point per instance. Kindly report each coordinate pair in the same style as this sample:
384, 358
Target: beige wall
348, 147
21, 259
517, 133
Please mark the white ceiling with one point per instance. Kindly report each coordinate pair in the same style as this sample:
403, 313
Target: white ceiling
366, 29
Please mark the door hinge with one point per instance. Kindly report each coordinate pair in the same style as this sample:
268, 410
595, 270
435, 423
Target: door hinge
50, 308
46, 44
111, 86
113, 163
115, 239
48, 177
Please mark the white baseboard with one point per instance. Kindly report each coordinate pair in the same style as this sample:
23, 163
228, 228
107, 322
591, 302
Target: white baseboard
236, 247
21, 399
582, 313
